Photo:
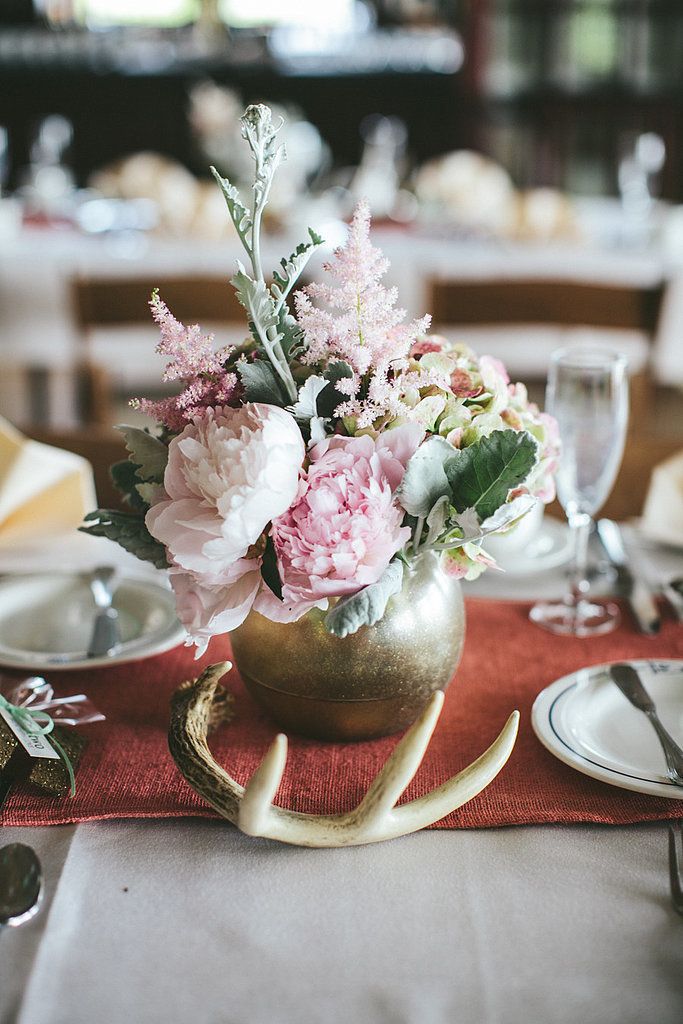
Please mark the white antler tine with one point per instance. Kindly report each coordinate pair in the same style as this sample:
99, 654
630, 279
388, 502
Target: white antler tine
261, 789
401, 766
468, 783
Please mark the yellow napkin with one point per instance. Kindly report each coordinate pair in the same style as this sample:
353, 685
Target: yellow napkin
43, 490
662, 518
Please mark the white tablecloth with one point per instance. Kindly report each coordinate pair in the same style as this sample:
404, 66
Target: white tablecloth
165, 922
158, 922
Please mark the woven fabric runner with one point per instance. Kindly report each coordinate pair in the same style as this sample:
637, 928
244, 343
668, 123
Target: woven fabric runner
127, 771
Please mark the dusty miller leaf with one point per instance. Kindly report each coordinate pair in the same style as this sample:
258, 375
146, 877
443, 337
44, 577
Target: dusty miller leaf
437, 519
468, 521
306, 406
367, 606
284, 281
508, 514
425, 479
239, 214
147, 452
482, 474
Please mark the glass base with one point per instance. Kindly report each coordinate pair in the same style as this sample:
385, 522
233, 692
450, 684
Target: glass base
586, 618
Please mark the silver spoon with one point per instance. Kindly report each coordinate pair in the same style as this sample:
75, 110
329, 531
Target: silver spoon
21, 884
105, 637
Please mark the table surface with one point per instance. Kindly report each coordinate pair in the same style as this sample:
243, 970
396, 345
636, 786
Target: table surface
170, 921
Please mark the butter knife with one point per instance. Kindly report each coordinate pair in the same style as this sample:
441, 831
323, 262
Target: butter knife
630, 684
636, 592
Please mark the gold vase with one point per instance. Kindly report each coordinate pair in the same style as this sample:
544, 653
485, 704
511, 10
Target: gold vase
369, 684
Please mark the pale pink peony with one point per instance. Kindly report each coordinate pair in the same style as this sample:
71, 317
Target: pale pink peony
346, 525
228, 475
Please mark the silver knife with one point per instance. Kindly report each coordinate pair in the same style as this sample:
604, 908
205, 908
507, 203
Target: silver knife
636, 592
630, 684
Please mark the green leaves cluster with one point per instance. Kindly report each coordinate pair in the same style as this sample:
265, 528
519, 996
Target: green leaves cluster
457, 493
137, 478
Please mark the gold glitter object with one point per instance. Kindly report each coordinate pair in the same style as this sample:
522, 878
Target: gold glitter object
372, 683
48, 774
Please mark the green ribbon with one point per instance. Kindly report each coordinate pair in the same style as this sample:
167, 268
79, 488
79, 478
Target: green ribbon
39, 723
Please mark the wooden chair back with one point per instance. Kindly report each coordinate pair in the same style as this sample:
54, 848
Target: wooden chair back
102, 302
563, 303
560, 302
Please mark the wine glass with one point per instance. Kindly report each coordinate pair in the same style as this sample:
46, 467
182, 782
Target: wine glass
587, 394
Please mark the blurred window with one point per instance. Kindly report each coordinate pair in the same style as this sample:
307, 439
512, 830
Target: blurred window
165, 13
332, 14
335, 15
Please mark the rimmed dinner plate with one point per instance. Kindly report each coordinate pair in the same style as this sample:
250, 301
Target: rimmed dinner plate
585, 721
46, 621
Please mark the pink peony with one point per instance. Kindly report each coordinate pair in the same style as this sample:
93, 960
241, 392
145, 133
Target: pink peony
346, 526
229, 474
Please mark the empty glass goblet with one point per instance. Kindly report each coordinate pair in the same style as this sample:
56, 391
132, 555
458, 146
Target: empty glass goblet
587, 393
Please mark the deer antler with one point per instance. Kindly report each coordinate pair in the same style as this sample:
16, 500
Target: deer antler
374, 819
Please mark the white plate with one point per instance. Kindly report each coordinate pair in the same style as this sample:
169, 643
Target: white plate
46, 621
585, 721
551, 547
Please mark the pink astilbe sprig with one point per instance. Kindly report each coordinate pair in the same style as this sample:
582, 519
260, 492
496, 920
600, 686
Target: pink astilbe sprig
193, 361
359, 323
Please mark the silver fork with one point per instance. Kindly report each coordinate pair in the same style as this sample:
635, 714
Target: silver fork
675, 865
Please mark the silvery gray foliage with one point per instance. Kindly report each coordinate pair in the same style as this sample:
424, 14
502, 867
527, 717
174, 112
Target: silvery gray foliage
366, 606
272, 328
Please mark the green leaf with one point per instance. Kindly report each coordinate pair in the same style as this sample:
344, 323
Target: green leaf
239, 214
331, 398
124, 476
481, 475
260, 382
147, 452
129, 531
269, 569
366, 606
425, 479
292, 267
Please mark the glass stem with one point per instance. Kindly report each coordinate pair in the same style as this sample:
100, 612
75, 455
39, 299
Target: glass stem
581, 524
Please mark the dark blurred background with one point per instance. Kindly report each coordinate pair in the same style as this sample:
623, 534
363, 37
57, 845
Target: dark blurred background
554, 90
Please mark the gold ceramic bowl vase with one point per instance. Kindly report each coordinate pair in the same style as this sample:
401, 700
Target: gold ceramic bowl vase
369, 684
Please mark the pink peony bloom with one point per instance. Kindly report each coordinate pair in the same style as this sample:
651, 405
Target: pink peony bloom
228, 475
346, 526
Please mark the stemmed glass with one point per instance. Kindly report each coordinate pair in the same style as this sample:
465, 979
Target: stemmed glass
587, 393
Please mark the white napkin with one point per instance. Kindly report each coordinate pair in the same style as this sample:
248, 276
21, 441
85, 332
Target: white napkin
44, 491
663, 512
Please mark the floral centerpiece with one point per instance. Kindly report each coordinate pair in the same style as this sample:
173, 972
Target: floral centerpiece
312, 466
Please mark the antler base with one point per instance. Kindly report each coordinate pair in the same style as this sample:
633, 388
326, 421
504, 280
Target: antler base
376, 818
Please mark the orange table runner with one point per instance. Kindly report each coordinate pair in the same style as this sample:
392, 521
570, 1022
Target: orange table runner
127, 771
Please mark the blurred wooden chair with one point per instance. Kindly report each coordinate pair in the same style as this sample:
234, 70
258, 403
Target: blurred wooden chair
113, 302
101, 447
558, 303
